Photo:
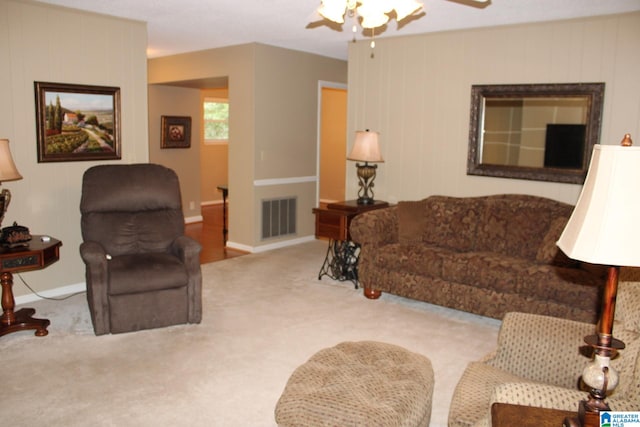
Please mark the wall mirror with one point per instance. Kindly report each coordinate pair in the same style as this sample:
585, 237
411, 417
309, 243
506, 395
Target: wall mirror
543, 132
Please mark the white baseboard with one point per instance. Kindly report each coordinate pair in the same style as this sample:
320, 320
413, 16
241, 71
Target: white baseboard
52, 293
192, 219
269, 247
212, 202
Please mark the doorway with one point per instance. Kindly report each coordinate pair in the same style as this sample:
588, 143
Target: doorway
332, 142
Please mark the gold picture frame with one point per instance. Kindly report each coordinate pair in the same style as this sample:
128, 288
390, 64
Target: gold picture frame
77, 122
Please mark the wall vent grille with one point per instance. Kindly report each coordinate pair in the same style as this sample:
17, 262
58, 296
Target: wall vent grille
278, 217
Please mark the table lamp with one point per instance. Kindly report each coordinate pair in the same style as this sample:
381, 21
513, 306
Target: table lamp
366, 149
8, 172
604, 229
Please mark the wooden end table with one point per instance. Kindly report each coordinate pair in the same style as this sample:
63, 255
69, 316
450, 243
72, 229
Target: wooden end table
508, 415
39, 254
332, 222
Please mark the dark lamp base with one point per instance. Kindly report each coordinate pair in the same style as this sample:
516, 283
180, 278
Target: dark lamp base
365, 200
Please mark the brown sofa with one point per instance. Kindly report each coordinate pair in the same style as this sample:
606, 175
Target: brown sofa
487, 255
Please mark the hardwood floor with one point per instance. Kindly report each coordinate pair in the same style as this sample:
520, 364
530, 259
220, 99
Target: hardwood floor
209, 234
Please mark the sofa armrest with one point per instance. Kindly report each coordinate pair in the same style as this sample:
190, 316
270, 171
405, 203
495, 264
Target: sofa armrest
542, 348
531, 394
375, 227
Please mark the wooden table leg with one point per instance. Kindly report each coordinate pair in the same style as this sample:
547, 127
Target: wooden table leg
22, 319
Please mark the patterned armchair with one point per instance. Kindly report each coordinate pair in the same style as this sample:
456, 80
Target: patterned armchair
537, 363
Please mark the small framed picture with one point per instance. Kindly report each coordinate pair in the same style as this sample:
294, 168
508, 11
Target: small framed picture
176, 132
77, 122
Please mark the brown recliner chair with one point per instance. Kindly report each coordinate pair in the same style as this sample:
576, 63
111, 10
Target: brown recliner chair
142, 272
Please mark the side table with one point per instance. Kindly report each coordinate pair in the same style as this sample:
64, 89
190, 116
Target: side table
332, 222
37, 255
508, 415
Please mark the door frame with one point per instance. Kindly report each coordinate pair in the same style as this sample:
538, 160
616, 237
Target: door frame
321, 85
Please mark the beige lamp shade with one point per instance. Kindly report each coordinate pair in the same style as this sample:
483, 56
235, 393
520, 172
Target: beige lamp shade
604, 227
8, 170
366, 147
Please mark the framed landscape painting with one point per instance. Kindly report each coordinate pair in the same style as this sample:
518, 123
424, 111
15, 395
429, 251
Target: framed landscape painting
77, 122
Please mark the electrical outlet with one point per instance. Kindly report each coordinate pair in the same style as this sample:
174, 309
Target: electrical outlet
192, 205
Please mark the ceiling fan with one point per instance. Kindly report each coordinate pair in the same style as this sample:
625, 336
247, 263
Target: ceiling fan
480, 4
374, 14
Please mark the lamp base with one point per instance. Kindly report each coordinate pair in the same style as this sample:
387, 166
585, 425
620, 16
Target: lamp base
365, 200
5, 199
588, 414
366, 175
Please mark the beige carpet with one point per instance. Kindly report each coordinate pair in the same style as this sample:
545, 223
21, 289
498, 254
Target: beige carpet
264, 314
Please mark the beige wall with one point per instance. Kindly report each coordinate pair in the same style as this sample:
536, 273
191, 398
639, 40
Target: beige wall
273, 110
237, 64
178, 101
52, 44
416, 92
287, 106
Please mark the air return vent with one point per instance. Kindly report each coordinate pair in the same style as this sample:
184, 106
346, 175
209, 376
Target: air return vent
278, 217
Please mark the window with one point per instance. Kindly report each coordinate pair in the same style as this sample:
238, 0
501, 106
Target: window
216, 120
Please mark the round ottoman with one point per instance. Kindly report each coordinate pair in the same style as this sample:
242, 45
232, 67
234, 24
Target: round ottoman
363, 383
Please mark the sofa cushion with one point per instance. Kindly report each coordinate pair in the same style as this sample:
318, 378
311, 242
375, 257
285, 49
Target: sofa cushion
549, 252
452, 222
561, 284
416, 258
411, 220
485, 270
167, 272
514, 225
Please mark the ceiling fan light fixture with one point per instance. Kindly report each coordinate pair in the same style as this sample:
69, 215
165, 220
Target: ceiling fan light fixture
370, 14
333, 10
406, 8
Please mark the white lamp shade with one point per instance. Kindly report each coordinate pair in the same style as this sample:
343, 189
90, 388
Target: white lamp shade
8, 169
366, 147
604, 227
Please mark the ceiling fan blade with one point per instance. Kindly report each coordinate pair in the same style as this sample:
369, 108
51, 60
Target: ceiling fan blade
480, 4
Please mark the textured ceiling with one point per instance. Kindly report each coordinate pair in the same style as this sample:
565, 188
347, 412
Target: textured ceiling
178, 26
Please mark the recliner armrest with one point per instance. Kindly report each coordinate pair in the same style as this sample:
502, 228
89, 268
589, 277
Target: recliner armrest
97, 272
93, 253
186, 249
542, 348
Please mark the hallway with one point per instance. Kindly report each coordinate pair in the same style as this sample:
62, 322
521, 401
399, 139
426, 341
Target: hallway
209, 234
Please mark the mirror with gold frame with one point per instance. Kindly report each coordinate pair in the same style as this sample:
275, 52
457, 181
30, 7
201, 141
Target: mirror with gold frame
543, 132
